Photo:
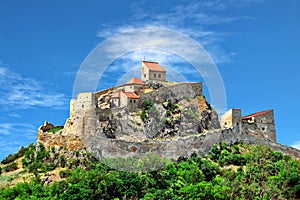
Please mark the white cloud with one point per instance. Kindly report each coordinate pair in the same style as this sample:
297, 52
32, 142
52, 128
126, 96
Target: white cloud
14, 115
2, 71
194, 19
8, 128
296, 144
15, 135
20, 92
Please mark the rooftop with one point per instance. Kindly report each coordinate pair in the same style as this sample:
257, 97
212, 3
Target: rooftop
154, 66
257, 114
116, 95
135, 80
131, 95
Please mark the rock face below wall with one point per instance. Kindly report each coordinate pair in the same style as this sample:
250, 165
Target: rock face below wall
71, 142
169, 129
160, 121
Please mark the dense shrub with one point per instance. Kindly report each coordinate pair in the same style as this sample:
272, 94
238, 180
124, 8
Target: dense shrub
262, 174
10, 167
65, 173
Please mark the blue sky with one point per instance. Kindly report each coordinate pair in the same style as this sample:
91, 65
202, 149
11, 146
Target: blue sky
254, 43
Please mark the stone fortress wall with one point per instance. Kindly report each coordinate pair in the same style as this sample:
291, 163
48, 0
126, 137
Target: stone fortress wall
260, 125
85, 115
185, 146
92, 113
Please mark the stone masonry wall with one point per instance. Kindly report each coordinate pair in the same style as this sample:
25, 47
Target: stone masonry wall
173, 92
185, 146
261, 127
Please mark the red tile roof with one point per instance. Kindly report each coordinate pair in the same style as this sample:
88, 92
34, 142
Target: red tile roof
131, 95
256, 114
135, 80
154, 66
116, 95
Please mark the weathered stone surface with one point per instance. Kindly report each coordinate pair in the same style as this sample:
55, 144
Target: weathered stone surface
180, 122
69, 141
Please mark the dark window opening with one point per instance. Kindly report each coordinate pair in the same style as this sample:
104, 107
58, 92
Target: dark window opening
159, 75
154, 75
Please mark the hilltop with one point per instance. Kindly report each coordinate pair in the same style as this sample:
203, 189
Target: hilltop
153, 115
165, 137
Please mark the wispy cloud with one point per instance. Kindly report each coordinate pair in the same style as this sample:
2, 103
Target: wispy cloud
8, 128
193, 18
10, 134
296, 144
19, 92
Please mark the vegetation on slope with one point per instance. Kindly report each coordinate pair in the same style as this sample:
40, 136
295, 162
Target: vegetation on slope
239, 171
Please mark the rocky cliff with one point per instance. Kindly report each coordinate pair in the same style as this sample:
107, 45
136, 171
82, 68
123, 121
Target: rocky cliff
171, 129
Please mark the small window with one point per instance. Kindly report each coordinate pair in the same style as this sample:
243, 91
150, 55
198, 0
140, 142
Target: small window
159, 75
154, 75
145, 75
133, 101
82, 106
263, 128
130, 101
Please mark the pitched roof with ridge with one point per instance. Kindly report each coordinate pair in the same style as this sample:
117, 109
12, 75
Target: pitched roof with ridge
131, 95
257, 114
154, 66
116, 95
135, 80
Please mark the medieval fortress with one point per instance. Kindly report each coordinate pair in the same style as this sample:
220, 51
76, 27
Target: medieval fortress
115, 121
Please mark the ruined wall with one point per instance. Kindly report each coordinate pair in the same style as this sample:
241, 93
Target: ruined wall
71, 142
261, 126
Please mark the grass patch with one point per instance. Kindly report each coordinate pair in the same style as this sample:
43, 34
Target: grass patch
54, 130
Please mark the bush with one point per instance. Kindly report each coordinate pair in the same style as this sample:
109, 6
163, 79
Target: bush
63, 161
10, 167
65, 173
147, 104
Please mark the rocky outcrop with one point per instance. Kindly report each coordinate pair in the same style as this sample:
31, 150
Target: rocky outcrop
70, 142
170, 126
55, 138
